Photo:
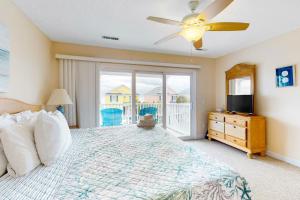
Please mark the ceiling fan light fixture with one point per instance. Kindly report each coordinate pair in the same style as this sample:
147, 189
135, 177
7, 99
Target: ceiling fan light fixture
193, 26
193, 33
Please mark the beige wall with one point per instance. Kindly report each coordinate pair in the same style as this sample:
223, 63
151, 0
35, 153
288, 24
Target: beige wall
206, 75
32, 77
281, 106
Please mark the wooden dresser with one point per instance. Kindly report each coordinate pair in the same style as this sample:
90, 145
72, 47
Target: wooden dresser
244, 132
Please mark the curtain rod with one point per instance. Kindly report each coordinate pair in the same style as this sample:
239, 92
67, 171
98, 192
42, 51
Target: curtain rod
130, 62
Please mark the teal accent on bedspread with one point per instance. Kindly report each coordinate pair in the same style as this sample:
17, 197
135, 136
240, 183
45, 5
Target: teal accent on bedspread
132, 163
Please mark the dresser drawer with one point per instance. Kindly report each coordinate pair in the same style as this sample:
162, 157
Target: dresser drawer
235, 131
216, 117
236, 141
235, 121
216, 126
216, 134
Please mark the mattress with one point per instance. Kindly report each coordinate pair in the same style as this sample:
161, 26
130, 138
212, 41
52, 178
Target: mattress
128, 163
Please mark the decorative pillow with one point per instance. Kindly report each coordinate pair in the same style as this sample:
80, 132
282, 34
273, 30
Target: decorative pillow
52, 136
146, 122
19, 148
23, 116
27, 117
5, 120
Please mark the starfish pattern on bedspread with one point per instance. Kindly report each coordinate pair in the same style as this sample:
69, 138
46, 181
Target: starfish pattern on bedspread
128, 163
132, 163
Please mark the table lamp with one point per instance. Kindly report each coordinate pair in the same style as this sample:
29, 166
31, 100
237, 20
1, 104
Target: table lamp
58, 98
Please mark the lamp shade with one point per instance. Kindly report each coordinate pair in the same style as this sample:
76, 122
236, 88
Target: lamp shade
59, 97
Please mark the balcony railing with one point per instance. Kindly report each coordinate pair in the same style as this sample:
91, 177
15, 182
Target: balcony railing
177, 118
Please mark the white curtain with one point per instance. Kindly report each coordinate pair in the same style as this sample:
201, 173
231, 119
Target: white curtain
67, 81
86, 94
78, 78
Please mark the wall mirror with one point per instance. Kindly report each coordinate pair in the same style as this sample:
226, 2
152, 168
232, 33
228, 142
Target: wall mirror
240, 80
240, 86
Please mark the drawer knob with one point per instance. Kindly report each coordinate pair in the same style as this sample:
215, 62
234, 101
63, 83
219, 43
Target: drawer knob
234, 121
234, 126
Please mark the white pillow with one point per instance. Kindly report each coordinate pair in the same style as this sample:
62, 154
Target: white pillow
3, 161
23, 116
52, 136
27, 117
19, 148
5, 120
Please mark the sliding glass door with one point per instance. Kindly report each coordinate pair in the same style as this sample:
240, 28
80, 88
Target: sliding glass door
127, 96
115, 98
178, 104
149, 95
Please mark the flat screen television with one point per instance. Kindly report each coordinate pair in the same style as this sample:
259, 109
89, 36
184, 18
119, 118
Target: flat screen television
240, 103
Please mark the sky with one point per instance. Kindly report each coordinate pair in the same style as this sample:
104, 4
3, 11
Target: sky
144, 82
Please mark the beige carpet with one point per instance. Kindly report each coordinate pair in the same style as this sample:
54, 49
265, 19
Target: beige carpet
269, 179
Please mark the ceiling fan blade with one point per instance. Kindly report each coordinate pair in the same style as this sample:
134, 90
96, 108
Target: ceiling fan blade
227, 26
198, 44
214, 9
169, 37
164, 21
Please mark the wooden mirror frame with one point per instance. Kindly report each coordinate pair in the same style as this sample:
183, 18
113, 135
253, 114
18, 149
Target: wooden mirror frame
240, 71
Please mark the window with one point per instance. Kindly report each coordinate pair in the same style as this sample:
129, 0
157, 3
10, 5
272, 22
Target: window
178, 104
125, 97
114, 99
174, 98
115, 104
149, 88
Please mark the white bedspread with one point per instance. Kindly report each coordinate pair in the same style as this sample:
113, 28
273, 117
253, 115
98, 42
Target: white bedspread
128, 163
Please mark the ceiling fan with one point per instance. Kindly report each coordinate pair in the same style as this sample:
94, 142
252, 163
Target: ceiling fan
194, 25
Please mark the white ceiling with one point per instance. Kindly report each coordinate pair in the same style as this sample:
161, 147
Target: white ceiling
85, 21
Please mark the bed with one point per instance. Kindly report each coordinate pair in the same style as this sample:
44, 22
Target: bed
128, 163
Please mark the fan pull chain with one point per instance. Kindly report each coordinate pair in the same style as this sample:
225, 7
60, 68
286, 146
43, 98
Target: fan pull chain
191, 54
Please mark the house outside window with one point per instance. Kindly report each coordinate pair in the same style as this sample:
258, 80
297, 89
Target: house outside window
119, 95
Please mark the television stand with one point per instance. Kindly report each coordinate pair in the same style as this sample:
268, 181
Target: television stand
232, 113
237, 113
244, 132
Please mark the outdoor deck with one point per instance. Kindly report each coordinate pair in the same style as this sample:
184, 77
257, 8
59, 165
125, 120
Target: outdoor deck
177, 119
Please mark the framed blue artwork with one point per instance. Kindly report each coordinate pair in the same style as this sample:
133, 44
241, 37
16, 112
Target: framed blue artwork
4, 59
285, 76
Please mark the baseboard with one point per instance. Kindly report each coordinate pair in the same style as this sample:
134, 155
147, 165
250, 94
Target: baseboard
283, 158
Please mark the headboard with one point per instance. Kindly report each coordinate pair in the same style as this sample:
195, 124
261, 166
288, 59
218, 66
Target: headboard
13, 106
